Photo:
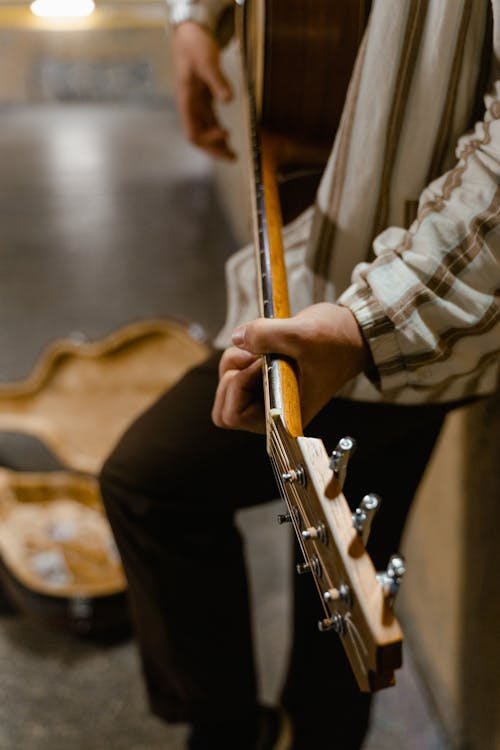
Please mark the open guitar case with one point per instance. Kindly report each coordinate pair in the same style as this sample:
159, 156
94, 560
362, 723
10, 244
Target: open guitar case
58, 561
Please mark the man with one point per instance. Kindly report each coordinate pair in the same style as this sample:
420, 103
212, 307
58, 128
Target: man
396, 322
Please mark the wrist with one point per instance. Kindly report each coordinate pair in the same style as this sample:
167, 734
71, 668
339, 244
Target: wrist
361, 356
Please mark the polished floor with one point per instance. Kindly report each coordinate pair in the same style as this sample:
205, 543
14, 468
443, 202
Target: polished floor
108, 216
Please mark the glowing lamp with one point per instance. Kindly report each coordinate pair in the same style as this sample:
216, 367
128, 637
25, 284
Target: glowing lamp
62, 8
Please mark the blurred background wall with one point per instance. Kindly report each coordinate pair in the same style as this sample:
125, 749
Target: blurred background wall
120, 53
450, 601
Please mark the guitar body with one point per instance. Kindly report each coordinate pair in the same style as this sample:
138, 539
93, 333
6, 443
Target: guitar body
300, 57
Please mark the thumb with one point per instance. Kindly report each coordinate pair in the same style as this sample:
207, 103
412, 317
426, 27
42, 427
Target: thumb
267, 336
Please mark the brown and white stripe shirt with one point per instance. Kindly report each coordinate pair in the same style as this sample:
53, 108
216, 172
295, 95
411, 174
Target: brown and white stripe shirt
405, 229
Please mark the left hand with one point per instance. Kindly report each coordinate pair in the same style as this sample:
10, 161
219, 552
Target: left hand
324, 340
199, 84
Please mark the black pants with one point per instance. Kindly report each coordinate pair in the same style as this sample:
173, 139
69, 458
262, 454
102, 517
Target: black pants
171, 488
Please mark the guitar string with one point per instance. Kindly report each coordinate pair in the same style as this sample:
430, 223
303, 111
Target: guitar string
359, 648
279, 463
279, 456
278, 459
302, 545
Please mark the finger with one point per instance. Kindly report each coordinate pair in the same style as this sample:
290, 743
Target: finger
194, 101
214, 141
220, 152
203, 130
235, 359
238, 400
269, 336
217, 82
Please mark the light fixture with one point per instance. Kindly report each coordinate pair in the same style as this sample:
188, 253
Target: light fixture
62, 8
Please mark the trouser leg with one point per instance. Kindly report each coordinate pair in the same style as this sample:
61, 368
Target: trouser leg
394, 445
171, 488
184, 559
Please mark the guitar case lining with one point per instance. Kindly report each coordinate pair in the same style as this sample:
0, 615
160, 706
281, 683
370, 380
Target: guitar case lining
54, 534
58, 560
80, 397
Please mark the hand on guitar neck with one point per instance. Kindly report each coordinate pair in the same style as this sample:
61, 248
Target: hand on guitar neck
324, 341
199, 82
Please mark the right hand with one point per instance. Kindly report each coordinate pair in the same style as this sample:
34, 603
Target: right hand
199, 82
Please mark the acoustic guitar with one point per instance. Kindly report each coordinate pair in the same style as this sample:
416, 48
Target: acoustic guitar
296, 61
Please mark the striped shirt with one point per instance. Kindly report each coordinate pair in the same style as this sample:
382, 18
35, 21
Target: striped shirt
405, 228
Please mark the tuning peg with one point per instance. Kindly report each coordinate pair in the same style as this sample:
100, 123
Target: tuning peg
390, 579
302, 568
310, 566
340, 458
363, 515
294, 475
290, 516
335, 622
315, 532
343, 593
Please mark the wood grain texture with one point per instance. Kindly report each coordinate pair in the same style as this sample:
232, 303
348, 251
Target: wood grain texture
373, 637
309, 52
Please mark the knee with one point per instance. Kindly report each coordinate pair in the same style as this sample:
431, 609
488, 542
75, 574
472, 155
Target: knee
124, 479
124, 500
134, 481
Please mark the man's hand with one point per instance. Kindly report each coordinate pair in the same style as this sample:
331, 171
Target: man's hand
324, 340
199, 81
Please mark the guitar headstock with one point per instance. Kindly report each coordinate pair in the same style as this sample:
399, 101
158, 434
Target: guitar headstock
357, 601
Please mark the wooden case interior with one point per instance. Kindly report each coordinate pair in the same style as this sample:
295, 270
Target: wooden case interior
80, 397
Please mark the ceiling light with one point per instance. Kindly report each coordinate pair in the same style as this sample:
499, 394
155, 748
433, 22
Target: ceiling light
62, 8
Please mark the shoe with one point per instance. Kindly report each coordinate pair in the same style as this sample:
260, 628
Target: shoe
274, 732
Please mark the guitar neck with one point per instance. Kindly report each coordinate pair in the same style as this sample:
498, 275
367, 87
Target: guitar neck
280, 379
357, 605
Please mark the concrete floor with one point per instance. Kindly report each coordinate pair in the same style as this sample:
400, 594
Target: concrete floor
108, 216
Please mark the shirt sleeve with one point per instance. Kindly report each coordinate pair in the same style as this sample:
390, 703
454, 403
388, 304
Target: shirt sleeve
205, 12
428, 305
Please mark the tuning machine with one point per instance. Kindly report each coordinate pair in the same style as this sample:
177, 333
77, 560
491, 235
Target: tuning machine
312, 565
390, 579
364, 514
292, 515
340, 458
342, 594
335, 622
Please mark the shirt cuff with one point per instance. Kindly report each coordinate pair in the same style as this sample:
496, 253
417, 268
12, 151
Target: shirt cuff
180, 11
388, 372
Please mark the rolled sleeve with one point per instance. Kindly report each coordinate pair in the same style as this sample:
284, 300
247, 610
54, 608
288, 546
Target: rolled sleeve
428, 304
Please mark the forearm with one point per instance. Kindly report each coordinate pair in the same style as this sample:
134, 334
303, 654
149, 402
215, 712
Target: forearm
428, 304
